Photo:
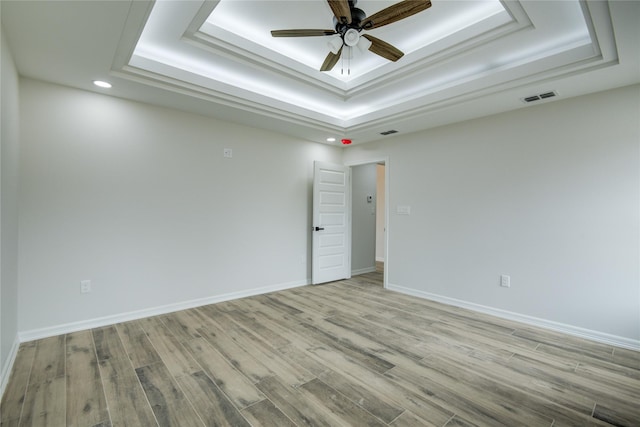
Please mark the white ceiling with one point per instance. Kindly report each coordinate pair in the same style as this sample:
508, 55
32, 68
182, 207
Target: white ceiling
463, 59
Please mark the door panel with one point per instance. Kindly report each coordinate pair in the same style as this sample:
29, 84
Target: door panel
331, 226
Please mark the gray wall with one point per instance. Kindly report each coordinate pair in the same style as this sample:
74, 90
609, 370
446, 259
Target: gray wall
9, 160
363, 233
140, 200
547, 194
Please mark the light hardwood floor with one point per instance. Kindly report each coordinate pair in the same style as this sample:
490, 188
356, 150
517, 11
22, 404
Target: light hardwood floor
345, 353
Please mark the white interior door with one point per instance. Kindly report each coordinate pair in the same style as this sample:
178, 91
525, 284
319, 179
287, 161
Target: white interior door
331, 248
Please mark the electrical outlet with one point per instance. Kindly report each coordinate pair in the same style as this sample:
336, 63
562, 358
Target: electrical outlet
505, 281
85, 286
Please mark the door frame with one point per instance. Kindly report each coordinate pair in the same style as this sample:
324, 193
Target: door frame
385, 160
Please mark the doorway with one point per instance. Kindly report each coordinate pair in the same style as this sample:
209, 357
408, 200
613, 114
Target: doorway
380, 217
369, 219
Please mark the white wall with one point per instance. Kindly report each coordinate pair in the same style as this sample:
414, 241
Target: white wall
548, 194
380, 213
9, 160
140, 201
363, 223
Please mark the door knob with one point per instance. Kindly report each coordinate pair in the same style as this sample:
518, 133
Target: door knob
319, 228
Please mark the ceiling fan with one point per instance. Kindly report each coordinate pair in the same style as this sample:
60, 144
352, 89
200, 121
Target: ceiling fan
349, 22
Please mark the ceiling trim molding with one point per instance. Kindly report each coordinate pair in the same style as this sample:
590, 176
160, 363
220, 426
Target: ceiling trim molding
404, 109
218, 45
436, 59
520, 21
157, 51
200, 17
258, 62
215, 40
409, 114
137, 17
567, 61
382, 118
603, 54
237, 102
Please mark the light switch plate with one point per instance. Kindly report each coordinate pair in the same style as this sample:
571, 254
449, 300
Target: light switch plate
505, 281
403, 210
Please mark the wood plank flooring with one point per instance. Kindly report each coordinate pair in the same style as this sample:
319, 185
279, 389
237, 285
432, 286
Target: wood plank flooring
348, 353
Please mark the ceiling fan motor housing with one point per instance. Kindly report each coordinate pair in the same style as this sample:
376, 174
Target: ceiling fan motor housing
357, 16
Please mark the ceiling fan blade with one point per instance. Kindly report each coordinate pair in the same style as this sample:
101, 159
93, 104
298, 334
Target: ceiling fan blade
395, 12
341, 10
302, 33
384, 49
330, 61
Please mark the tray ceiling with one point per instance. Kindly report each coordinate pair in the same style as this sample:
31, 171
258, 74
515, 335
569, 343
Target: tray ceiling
463, 59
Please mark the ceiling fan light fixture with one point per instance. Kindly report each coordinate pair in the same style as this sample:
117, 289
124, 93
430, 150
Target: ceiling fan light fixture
351, 37
364, 44
335, 43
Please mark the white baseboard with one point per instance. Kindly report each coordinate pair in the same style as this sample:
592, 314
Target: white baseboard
35, 334
363, 271
379, 259
8, 365
601, 337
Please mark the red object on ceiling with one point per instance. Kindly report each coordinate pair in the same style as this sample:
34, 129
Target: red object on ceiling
346, 141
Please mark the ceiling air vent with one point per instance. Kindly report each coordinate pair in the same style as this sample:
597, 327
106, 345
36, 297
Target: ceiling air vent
388, 132
545, 95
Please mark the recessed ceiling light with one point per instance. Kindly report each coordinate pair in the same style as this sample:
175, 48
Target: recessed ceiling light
100, 83
331, 139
